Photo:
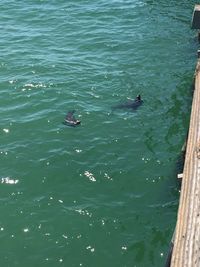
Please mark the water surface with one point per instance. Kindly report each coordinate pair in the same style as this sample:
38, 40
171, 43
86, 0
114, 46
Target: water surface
104, 193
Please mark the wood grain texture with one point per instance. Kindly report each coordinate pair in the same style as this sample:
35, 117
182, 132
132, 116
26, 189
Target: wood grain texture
186, 251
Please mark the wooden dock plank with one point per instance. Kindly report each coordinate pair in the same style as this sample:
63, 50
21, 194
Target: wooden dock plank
186, 251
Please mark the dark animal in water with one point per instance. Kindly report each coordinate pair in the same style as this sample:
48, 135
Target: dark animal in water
130, 104
70, 120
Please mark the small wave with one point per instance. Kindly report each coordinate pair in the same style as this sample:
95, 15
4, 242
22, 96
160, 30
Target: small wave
30, 86
8, 180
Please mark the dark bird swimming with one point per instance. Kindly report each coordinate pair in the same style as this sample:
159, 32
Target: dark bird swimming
70, 120
130, 104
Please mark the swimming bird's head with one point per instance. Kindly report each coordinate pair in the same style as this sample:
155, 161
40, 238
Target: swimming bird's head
78, 122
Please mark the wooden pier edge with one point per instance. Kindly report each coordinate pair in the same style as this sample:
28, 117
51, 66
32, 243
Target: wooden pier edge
186, 248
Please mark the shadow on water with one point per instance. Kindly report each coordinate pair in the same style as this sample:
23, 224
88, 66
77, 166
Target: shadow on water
178, 112
139, 248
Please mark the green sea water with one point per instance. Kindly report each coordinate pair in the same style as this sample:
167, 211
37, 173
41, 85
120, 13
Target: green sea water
103, 194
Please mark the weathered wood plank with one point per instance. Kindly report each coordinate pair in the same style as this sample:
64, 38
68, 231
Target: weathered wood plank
186, 251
